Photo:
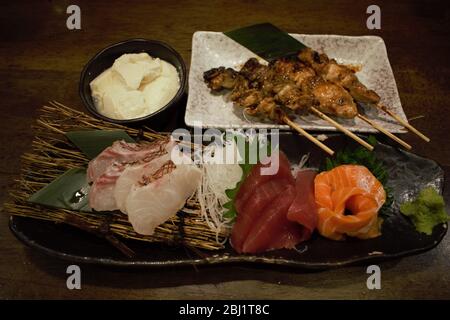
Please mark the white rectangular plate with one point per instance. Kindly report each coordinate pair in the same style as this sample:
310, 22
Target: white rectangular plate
214, 49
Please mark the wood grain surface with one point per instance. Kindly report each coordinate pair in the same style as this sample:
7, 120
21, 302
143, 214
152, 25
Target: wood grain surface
41, 60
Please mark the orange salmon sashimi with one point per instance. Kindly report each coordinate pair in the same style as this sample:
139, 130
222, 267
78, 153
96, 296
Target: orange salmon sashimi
353, 188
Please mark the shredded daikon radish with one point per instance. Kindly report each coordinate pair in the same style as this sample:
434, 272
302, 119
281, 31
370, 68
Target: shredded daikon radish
301, 165
216, 179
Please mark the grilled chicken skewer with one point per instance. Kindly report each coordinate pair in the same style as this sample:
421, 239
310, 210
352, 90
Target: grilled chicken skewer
326, 96
300, 87
264, 89
254, 101
299, 74
261, 89
330, 70
297, 87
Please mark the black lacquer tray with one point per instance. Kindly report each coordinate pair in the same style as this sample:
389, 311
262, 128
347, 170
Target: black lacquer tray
408, 174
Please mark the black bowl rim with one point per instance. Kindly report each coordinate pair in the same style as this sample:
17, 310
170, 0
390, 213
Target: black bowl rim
91, 107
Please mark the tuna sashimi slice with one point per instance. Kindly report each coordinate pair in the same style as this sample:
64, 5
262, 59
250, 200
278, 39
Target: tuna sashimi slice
255, 179
252, 210
256, 193
303, 209
273, 230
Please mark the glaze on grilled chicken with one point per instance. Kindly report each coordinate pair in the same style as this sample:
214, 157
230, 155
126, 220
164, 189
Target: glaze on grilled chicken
326, 96
339, 74
220, 78
285, 82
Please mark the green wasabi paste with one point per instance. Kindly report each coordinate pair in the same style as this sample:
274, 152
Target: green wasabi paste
426, 211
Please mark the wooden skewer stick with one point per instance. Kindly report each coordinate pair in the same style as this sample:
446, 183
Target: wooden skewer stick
314, 140
343, 129
383, 130
403, 122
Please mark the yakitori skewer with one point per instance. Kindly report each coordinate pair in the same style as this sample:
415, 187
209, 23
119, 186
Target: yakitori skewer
344, 76
317, 87
383, 130
308, 136
403, 122
253, 101
342, 128
278, 91
262, 90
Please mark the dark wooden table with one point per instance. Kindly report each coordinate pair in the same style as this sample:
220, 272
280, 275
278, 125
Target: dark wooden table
41, 60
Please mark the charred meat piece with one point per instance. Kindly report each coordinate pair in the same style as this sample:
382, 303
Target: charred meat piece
333, 99
285, 82
315, 91
249, 98
255, 71
267, 107
345, 77
339, 74
293, 70
292, 97
274, 81
220, 78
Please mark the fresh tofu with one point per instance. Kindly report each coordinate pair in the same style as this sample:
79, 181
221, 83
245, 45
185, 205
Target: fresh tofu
153, 69
107, 88
103, 80
161, 90
135, 86
132, 105
136, 68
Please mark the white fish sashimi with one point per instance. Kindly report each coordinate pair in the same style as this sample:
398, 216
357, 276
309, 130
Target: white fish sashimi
152, 204
124, 152
101, 193
105, 170
131, 175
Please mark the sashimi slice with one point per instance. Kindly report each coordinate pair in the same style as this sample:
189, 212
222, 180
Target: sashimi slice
131, 175
273, 230
101, 193
252, 210
124, 152
256, 179
303, 209
157, 198
351, 187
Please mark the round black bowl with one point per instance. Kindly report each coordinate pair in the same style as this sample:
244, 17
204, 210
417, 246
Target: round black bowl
105, 59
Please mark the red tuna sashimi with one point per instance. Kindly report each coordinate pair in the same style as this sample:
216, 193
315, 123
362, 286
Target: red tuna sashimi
273, 230
257, 192
303, 209
252, 210
255, 179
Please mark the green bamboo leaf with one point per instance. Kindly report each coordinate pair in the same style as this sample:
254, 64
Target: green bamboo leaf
266, 40
68, 191
92, 142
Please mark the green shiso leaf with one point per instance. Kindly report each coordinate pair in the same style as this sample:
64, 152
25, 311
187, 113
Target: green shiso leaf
92, 142
266, 40
68, 191
246, 164
426, 211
